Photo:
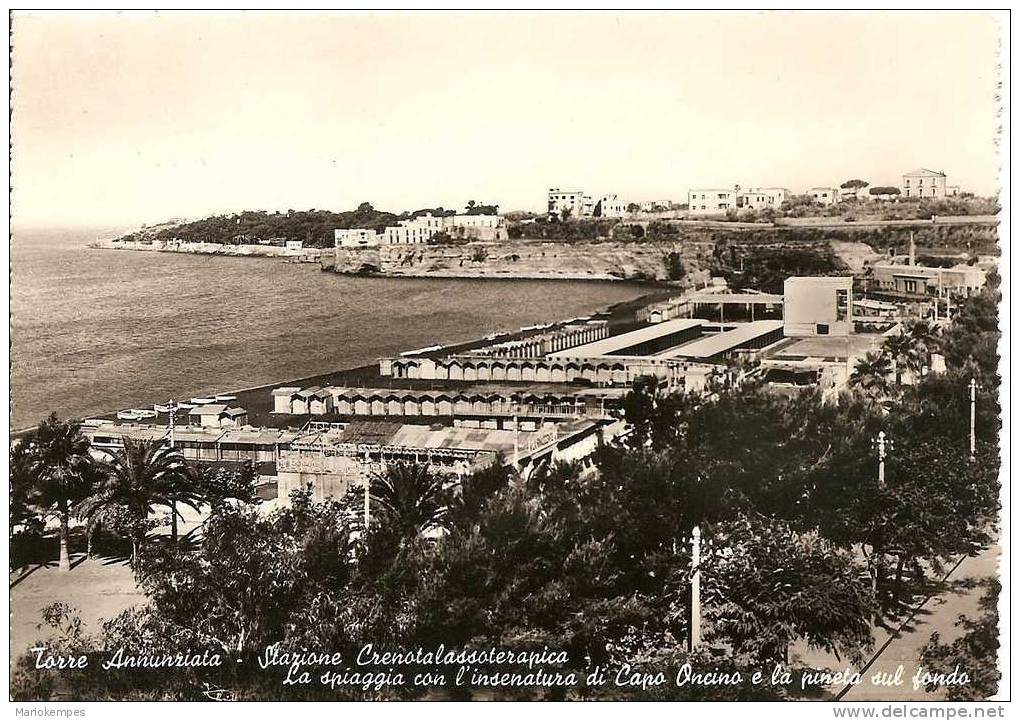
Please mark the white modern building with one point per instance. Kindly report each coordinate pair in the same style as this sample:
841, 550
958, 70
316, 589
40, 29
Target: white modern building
762, 198
960, 280
356, 237
716, 201
572, 203
419, 230
610, 206
709, 201
817, 306
824, 195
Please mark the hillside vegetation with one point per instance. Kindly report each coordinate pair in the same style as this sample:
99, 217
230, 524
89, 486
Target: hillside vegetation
975, 238
312, 227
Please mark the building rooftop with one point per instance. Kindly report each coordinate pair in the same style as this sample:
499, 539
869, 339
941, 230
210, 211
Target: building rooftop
261, 436
761, 298
830, 346
713, 345
474, 439
197, 434
838, 280
136, 432
614, 343
876, 304
211, 409
286, 390
926, 172
370, 432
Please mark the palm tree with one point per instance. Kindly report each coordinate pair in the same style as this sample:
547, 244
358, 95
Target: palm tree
926, 338
871, 373
24, 482
61, 468
410, 497
904, 352
137, 478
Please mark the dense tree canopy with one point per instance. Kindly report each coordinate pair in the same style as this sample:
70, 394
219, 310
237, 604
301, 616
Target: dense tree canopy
803, 542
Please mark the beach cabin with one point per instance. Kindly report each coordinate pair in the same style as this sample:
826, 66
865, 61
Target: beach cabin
283, 397
217, 415
320, 402
301, 401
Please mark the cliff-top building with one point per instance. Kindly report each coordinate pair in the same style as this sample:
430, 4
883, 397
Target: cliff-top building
715, 201
420, 230
705, 201
577, 204
924, 183
824, 195
571, 203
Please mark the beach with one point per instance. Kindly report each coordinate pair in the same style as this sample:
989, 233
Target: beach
96, 331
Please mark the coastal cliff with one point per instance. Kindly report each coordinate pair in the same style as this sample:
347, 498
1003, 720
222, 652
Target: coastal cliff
524, 259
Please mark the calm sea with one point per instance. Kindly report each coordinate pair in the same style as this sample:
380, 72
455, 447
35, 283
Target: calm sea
99, 330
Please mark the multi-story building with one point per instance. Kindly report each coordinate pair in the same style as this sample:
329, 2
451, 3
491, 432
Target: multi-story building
416, 231
761, 198
960, 280
476, 227
573, 203
356, 237
924, 183
609, 206
817, 306
823, 195
706, 201
715, 201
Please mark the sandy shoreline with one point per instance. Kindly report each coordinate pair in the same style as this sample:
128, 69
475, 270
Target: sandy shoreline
257, 400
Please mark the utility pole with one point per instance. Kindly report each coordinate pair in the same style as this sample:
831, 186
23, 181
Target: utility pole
694, 624
367, 486
973, 400
517, 435
883, 444
172, 410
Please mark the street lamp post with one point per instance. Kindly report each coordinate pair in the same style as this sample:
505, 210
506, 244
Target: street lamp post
517, 432
367, 485
694, 631
172, 411
883, 444
973, 400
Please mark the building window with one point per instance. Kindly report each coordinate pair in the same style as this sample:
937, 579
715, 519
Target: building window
822, 328
842, 305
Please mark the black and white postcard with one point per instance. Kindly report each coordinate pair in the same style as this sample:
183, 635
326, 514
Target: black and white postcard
509, 356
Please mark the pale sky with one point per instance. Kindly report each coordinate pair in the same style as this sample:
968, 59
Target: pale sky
133, 118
